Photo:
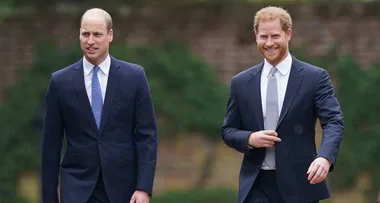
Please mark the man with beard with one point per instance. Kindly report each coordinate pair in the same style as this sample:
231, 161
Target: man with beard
104, 108
271, 116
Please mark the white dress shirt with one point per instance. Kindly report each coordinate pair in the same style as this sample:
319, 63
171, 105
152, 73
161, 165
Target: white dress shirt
102, 76
282, 76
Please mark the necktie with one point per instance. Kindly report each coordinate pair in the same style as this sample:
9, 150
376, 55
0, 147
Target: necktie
271, 116
97, 101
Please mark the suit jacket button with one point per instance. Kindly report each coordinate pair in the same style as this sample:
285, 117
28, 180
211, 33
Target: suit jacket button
100, 142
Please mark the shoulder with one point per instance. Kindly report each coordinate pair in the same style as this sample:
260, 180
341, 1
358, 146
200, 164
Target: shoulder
248, 73
308, 68
66, 73
128, 67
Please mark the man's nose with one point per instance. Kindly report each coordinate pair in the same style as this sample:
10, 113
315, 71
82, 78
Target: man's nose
269, 42
90, 40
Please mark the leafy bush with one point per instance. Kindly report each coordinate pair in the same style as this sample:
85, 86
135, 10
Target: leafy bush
184, 88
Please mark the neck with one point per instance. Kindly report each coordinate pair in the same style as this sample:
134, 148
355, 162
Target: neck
282, 59
97, 61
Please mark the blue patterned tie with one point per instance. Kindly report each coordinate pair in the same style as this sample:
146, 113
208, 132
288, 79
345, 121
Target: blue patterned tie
97, 101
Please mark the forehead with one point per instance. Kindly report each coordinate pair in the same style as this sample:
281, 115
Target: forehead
269, 26
93, 24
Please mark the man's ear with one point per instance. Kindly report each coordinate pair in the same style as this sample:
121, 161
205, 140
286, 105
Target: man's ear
255, 33
110, 35
289, 33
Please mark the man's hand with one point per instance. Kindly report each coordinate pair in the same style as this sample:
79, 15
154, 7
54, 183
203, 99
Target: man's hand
318, 170
265, 138
140, 196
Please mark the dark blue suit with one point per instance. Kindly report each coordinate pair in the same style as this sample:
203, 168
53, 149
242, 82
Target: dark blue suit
309, 95
124, 149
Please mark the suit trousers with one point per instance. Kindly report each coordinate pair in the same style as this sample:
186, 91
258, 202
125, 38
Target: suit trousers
99, 194
265, 189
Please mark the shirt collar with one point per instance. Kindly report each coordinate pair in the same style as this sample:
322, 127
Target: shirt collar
283, 67
104, 66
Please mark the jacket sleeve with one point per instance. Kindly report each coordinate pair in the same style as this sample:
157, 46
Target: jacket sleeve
232, 134
51, 145
331, 118
146, 136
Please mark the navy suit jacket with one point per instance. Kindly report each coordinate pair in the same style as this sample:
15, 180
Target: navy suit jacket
124, 148
309, 95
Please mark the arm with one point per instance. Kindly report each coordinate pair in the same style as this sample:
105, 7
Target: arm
146, 136
51, 145
331, 118
231, 133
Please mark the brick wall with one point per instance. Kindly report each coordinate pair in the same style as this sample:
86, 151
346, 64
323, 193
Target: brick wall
220, 34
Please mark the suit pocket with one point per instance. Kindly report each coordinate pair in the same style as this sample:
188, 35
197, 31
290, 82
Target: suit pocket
122, 109
301, 165
69, 159
127, 154
121, 100
303, 96
121, 103
121, 97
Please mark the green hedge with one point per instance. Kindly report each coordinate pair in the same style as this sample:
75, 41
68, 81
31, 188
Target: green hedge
197, 196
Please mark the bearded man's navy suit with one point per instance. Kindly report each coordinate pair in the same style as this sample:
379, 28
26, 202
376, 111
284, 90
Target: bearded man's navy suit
309, 95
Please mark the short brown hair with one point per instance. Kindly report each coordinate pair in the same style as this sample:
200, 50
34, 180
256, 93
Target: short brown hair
273, 13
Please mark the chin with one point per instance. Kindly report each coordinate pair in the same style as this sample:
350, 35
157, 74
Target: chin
272, 58
92, 56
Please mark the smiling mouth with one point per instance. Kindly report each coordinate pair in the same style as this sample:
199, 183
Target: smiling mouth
271, 50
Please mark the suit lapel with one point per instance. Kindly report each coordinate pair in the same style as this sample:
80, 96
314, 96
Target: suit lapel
78, 81
113, 82
254, 92
295, 79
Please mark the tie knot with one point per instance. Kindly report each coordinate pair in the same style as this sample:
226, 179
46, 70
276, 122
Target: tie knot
272, 71
96, 69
